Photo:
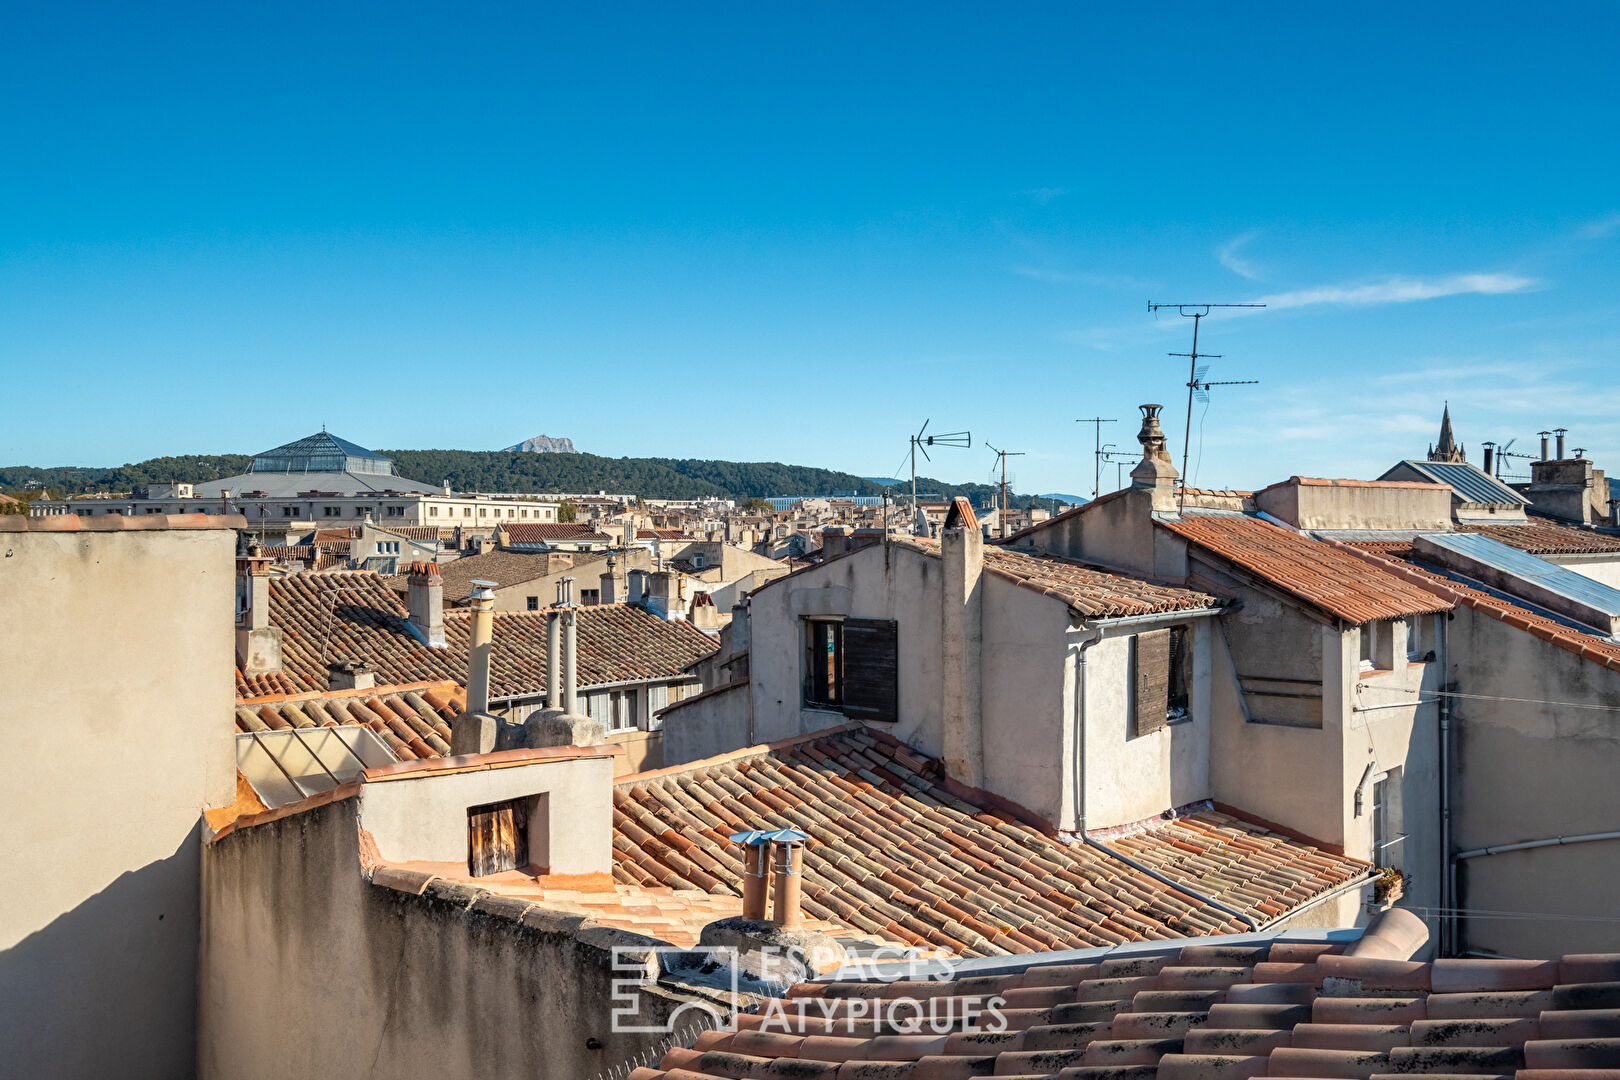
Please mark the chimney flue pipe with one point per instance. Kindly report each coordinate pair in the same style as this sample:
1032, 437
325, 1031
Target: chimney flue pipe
1544, 435
570, 648
1559, 432
483, 629
788, 860
553, 659
756, 883
1489, 448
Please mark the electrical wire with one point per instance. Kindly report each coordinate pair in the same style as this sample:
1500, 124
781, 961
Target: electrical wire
1498, 697
1526, 916
1198, 462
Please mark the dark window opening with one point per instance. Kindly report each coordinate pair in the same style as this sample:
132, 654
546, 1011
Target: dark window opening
824, 664
534, 603
497, 837
1179, 705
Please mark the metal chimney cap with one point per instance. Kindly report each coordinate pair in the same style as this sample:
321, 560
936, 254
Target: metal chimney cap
484, 584
770, 836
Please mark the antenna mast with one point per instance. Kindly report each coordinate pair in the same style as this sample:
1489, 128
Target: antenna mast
1196, 385
1001, 515
921, 442
1096, 473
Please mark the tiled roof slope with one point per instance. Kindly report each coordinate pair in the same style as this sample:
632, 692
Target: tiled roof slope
549, 530
1089, 590
413, 723
1592, 646
1204, 1012
328, 618
503, 568
1323, 575
900, 850
1549, 538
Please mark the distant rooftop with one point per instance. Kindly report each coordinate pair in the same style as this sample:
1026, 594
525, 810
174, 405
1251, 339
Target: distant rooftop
321, 452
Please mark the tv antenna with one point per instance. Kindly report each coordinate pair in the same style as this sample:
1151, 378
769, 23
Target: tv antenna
1197, 385
1109, 453
1096, 474
1504, 456
1003, 455
922, 442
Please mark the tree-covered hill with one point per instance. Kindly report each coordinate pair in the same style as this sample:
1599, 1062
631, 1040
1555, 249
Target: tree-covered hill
502, 470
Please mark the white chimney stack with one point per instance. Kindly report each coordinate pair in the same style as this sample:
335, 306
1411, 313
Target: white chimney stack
483, 631
425, 598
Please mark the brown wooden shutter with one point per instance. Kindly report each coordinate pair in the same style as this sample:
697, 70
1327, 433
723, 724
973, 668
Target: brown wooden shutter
1152, 677
871, 670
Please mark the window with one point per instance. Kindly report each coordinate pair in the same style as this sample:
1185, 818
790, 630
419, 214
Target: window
1386, 819
332, 511
1179, 706
1414, 637
289, 511
1161, 676
523, 513
590, 596
395, 511
624, 712
1369, 646
433, 511
823, 674
466, 511
533, 603
853, 666
697, 562
510, 512
483, 511
497, 837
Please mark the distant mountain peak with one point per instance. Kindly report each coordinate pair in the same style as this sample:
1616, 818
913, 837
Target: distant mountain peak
544, 444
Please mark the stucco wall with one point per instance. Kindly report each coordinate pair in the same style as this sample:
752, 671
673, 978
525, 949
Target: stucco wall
1511, 757
1024, 693
906, 588
1352, 505
716, 723
117, 651
1605, 569
424, 817
309, 970
1128, 776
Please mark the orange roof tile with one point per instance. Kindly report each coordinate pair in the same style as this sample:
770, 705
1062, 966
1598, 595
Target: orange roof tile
900, 848
1208, 1011
1323, 575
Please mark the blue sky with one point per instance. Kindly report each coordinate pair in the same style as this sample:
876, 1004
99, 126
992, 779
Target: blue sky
793, 232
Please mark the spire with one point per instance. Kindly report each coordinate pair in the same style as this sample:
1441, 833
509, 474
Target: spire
1447, 449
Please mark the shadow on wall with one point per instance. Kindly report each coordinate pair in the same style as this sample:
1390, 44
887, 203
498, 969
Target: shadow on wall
110, 987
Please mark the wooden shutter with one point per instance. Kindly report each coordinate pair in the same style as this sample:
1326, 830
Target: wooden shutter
497, 837
871, 670
1152, 678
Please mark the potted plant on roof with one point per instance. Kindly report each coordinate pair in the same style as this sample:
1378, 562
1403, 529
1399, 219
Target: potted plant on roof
1388, 886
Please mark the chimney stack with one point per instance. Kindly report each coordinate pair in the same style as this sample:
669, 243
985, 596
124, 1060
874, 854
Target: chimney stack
1559, 432
962, 552
1154, 473
1544, 435
571, 645
787, 879
756, 883
554, 655
1489, 450
350, 675
425, 598
258, 644
483, 631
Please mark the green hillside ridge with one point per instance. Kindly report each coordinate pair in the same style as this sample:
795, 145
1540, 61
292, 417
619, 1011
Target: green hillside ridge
517, 471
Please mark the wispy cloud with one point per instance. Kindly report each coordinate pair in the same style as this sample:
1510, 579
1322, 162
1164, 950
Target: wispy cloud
1400, 290
1230, 258
1600, 229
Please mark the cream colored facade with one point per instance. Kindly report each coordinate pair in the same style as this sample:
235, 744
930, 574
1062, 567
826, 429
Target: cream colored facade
115, 643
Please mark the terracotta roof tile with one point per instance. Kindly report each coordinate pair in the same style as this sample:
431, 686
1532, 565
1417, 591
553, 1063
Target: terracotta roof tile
1321, 574
1550, 538
900, 848
542, 532
328, 618
1348, 1018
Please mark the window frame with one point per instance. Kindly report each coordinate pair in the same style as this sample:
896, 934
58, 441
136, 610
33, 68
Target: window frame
823, 663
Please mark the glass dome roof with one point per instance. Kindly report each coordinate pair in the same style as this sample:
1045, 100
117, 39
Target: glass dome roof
321, 452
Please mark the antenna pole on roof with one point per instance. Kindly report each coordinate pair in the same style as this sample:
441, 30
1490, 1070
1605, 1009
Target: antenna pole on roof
921, 442
1003, 455
1096, 473
1196, 385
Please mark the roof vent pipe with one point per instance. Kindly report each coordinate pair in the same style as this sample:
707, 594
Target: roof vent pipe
1489, 451
570, 647
1559, 432
1544, 435
483, 629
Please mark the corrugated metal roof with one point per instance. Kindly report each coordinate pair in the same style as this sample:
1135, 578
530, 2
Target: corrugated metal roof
1469, 483
1522, 564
